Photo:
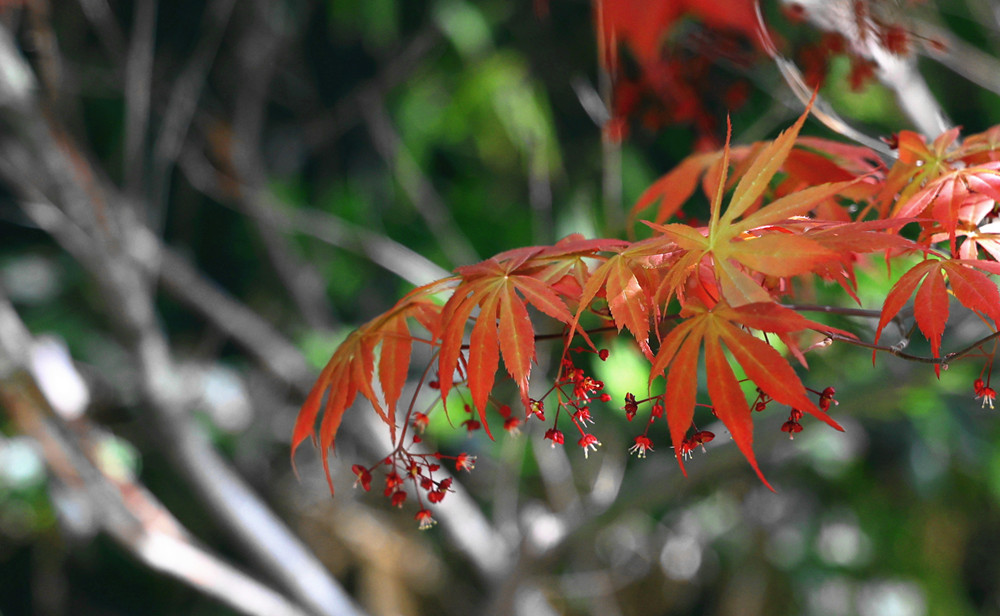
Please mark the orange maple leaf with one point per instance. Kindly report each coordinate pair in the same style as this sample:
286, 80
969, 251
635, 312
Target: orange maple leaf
719, 329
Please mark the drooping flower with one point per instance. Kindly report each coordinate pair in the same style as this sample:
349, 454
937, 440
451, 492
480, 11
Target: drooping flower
512, 425
555, 436
589, 443
398, 498
631, 406
364, 477
826, 398
582, 415
701, 437
988, 394
392, 481
792, 427
424, 518
537, 408
420, 421
471, 425
641, 446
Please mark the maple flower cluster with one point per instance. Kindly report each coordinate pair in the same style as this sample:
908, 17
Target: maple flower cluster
574, 391
416, 472
643, 444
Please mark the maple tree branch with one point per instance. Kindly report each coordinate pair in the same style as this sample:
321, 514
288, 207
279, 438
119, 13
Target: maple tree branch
121, 506
324, 226
964, 59
105, 24
849, 312
183, 99
61, 193
346, 112
138, 96
305, 285
822, 110
422, 194
898, 352
969, 349
892, 350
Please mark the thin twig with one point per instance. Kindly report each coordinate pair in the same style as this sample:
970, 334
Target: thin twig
123, 508
896, 351
183, 100
418, 188
115, 261
848, 312
109, 34
138, 92
346, 113
318, 224
305, 285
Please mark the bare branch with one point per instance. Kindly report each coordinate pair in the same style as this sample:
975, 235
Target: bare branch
138, 91
418, 188
183, 100
98, 12
123, 508
821, 110
324, 226
347, 111
118, 266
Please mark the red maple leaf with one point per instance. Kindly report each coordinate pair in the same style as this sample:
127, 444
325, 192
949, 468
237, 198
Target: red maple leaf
719, 329
972, 288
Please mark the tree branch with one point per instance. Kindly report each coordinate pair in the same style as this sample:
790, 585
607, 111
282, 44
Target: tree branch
116, 260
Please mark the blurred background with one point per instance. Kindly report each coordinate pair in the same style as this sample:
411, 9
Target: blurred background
200, 199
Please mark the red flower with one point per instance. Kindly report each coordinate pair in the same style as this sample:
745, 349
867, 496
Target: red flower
826, 398
555, 436
792, 427
702, 437
471, 424
512, 425
420, 421
398, 498
364, 477
465, 462
588, 442
392, 481
631, 406
988, 394
582, 416
538, 408
424, 518
642, 445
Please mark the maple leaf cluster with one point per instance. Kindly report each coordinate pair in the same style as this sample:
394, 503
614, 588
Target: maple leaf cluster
674, 82
783, 214
682, 62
